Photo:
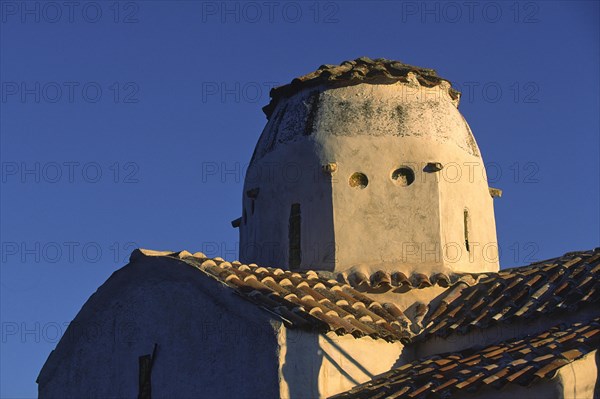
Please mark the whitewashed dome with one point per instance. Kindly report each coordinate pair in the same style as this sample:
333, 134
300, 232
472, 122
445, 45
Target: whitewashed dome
361, 163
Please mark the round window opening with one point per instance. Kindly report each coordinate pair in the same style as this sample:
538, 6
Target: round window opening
403, 176
358, 180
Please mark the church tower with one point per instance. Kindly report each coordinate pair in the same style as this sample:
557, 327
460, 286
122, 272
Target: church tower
368, 164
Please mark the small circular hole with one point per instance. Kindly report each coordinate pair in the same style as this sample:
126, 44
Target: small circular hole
358, 180
403, 176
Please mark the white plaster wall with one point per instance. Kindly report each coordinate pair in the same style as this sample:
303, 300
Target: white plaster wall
292, 174
372, 129
580, 379
463, 186
382, 223
286, 168
319, 366
211, 343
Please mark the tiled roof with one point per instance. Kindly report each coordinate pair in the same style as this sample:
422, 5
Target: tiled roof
303, 300
323, 301
360, 70
561, 284
521, 361
384, 281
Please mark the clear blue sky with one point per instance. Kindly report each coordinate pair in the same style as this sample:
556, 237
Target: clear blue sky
129, 125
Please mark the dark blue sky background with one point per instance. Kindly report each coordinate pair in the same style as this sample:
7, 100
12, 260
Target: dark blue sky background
129, 124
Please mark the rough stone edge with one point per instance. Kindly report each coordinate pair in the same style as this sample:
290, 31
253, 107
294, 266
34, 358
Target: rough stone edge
360, 70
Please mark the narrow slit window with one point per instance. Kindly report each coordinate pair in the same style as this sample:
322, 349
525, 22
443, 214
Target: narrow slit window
466, 228
295, 254
145, 373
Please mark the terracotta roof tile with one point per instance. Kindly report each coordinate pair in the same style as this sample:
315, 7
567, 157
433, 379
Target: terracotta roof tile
496, 365
325, 301
382, 281
561, 284
360, 70
303, 300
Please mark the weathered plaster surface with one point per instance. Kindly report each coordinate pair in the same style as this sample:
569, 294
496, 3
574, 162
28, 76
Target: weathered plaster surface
211, 343
580, 379
373, 129
318, 366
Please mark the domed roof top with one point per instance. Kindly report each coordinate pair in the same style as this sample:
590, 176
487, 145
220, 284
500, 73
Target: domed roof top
360, 70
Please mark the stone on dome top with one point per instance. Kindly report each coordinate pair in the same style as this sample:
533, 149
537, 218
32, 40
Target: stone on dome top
360, 70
